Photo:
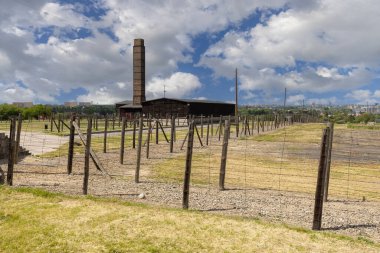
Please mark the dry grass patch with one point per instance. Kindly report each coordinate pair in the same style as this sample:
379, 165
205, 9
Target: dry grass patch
37, 221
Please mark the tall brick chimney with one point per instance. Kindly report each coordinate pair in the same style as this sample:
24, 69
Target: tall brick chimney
138, 71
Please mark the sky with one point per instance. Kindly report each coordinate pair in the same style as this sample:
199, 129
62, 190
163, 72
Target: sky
321, 51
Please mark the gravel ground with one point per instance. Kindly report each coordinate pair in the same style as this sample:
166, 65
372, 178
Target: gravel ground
341, 215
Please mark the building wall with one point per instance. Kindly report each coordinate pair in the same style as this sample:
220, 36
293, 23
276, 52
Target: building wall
162, 107
70, 104
215, 109
23, 104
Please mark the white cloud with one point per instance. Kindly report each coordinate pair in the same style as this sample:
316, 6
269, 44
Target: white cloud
310, 31
97, 61
302, 42
15, 93
104, 95
295, 99
200, 98
177, 85
61, 15
364, 96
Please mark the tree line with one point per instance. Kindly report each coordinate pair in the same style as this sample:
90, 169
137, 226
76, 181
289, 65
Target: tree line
45, 111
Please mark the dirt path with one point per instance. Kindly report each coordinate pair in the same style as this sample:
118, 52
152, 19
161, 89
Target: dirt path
39, 143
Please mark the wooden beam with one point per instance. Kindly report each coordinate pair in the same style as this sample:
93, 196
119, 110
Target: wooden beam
93, 155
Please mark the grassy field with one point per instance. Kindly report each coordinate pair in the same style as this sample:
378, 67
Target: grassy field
258, 162
363, 126
33, 220
113, 142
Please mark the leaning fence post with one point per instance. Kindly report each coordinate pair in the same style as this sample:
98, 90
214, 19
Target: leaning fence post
139, 144
11, 151
318, 206
71, 147
223, 163
87, 157
189, 155
328, 160
122, 141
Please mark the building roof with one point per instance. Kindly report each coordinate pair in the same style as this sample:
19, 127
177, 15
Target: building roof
199, 101
131, 106
125, 102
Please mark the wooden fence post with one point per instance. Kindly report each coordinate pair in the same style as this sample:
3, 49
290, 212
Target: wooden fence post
71, 147
319, 192
156, 131
11, 151
87, 157
62, 122
105, 135
328, 159
208, 130
18, 135
212, 125
237, 125
59, 123
258, 125
148, 138
172, 134
139, 144
122, 141
134, 134
189, 155
220, 127
223, 163
201, 125
51, 122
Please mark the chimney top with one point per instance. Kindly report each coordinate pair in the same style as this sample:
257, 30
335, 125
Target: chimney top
138, 42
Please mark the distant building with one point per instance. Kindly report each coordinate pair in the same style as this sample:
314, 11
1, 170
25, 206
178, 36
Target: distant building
164, 106
85, 103
70, 104
23, 104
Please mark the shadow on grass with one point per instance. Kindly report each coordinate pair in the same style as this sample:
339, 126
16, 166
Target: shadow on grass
344, 227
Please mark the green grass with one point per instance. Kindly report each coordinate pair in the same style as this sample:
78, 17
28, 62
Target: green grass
37, 221
255, 166
113, 142
303, 133
363, 127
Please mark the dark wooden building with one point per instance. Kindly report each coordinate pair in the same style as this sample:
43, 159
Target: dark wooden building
181, 107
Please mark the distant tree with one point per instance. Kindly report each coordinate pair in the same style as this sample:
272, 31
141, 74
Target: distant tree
7, 111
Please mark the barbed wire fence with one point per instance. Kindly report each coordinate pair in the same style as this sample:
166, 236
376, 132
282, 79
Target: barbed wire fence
271, 166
